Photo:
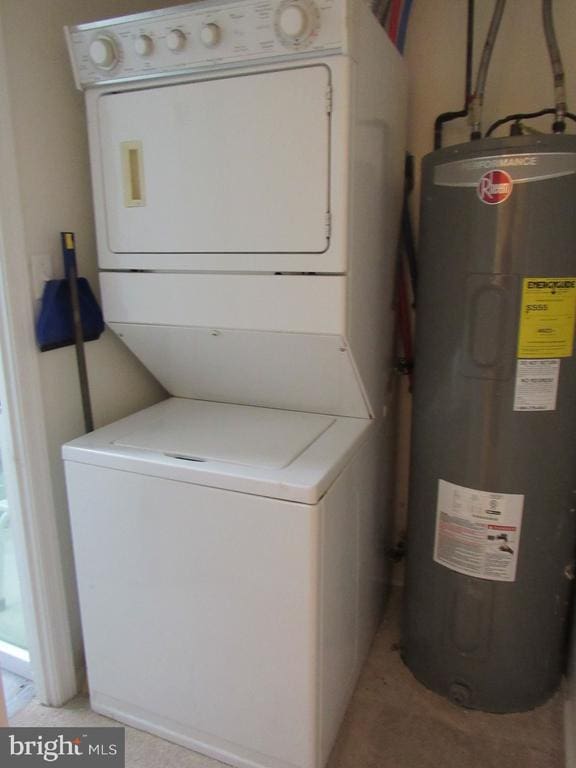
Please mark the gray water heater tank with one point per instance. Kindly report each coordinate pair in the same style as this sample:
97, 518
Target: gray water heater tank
491, 532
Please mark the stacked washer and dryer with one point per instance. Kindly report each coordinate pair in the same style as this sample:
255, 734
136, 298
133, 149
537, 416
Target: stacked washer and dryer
247, 163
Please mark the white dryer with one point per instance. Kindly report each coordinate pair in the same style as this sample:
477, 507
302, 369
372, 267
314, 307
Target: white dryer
247, 162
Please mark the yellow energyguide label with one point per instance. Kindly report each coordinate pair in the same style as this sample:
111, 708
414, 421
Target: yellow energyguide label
547, 317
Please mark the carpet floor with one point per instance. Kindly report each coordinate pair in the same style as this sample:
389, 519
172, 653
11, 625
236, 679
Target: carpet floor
392, 722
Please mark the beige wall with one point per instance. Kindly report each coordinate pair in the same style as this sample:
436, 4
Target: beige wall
52, 160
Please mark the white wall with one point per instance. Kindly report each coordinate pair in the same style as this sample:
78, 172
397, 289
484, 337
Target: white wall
52, 160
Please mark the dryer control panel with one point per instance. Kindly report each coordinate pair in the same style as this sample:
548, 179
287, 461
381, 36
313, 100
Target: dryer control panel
204, 35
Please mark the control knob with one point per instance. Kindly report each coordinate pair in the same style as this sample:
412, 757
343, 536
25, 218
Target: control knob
143, 45
176, 40
103, 52
210, 35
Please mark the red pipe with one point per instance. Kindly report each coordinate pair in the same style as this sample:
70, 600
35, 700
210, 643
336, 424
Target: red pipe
394, 20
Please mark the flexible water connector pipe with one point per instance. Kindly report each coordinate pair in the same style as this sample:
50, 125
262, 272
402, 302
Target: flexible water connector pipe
557, 68
446, 117
478, 98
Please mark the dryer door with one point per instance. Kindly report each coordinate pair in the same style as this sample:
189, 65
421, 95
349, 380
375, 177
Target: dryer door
234, 165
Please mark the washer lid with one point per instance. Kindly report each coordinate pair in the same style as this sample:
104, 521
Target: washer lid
286, 455
203, 431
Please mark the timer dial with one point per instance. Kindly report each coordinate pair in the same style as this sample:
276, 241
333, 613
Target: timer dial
103, 52
293, 21
296, 22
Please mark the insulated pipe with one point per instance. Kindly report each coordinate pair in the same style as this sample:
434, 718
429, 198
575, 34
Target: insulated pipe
559, 124
524, 116
478, 98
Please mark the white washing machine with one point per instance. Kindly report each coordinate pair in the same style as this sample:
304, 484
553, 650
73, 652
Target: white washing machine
247, 162
231, 573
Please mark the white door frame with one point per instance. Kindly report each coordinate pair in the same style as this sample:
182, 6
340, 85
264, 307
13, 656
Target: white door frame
27, 467
3, 715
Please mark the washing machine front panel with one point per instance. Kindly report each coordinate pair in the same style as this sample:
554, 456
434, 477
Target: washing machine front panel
198, 618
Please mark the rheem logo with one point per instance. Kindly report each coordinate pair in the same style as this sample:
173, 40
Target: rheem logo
495, 187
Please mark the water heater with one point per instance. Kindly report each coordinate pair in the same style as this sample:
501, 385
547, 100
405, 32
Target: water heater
492, 504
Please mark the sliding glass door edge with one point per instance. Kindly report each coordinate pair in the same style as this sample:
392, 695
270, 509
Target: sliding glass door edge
15, 660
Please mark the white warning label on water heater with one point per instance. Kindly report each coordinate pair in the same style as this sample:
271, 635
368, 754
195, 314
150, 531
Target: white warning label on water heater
536, 385
478, 532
